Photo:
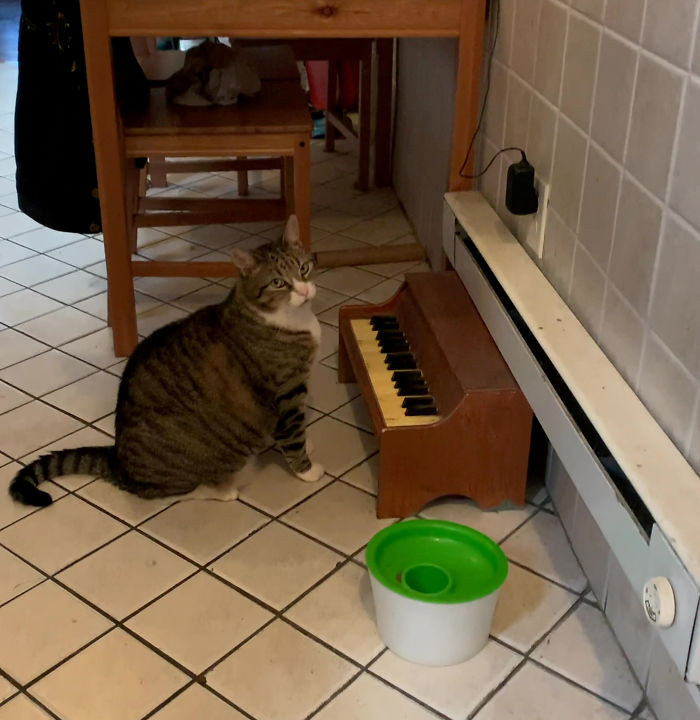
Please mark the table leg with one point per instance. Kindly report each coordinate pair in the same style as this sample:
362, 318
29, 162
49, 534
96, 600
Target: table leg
302, 189
382, 133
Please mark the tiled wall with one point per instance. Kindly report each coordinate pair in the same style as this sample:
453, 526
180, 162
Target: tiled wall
604, 95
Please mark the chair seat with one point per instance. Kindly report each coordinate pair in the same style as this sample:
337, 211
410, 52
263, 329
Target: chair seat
279, 107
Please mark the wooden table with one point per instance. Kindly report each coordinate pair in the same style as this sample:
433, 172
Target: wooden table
103, 19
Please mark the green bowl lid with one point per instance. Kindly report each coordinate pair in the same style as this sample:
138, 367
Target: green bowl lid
436, 561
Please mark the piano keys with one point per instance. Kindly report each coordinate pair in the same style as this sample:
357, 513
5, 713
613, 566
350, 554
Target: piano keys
447, 412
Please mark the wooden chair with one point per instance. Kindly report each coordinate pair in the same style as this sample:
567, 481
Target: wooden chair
272, 130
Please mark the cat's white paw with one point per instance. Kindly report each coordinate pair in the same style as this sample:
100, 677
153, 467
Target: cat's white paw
313, 474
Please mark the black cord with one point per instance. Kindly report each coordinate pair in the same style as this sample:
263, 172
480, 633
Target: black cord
491, 161
497, 23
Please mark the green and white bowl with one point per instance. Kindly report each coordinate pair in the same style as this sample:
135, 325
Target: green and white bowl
435, 585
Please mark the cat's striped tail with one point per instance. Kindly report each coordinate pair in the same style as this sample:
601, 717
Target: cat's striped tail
80, 461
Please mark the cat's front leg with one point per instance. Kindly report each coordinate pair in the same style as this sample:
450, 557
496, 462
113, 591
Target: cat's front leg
290, 436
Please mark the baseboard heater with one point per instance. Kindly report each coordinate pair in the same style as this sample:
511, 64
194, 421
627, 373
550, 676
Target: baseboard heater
638, 487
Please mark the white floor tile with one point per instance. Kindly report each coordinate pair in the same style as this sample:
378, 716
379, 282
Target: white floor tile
210, 295
10, 510
81, 254
329, 341
542, 545
25, 305
340, 516
123, 576
44, 373
598, 663
172, 248
16, 224
528, 606
106, 424
125, 505
199, 621
365, 476
299, 674
197, 702
11, 397
339, 447
168, 288
45, 239
276, 564
497, 524
340, 612
333, 221
214, 236
20, 708
355, 413
15, 347
535, 693
155, 318
381, 229
96, 348
454, 691
73, 288
7, 287
380, 293
203, 529
15, 577
325, 299
34, 270
60, 533
267, 483
61, 326
325, 392
90, 398
336, 242
370, 699
7, 690
42, 627
11, 252
80, 438
119, 679
349, 281
32, 426
331, 361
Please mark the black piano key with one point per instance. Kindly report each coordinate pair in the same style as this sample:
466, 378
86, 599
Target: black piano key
387, 322
406, 375
389, 347
390, 333
418, 401
422, 410
410, 390
400, 361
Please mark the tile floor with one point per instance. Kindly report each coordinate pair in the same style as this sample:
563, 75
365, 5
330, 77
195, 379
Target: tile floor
115, 607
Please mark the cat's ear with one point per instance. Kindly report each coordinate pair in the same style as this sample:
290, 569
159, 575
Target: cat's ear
243, 259
291, 233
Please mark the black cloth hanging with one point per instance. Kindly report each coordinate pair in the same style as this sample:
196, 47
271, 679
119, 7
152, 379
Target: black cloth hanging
56, 173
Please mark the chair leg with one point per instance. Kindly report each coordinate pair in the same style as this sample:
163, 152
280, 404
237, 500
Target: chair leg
332, 91
156, 169
302, 189
242, 180
134, 177
365, 121
288, 183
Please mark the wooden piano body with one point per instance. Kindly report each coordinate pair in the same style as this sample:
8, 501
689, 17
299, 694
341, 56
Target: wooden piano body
478, 444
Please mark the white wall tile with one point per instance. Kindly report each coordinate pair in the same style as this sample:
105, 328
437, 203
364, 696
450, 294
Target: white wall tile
540, 137
675, 310
664, 384
621, 334
657, 100
495, 113
695, 443
580, 65
519, 95
684, 178
550, 50
634, 246
587, 290
504, 42
625, 17
558, 257
600, 193
567, 173
525, 30
592, 8
613, 94
668, 29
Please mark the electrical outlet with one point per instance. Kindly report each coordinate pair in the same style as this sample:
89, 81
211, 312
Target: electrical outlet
530, 228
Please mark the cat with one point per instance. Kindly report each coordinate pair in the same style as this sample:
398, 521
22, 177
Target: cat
203, 394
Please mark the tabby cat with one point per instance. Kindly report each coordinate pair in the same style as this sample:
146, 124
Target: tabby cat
202, 394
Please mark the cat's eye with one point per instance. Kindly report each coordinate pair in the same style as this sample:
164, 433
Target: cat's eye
278, 283
305, 269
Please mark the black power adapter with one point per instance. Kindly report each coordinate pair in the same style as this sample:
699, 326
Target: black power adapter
521, 195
